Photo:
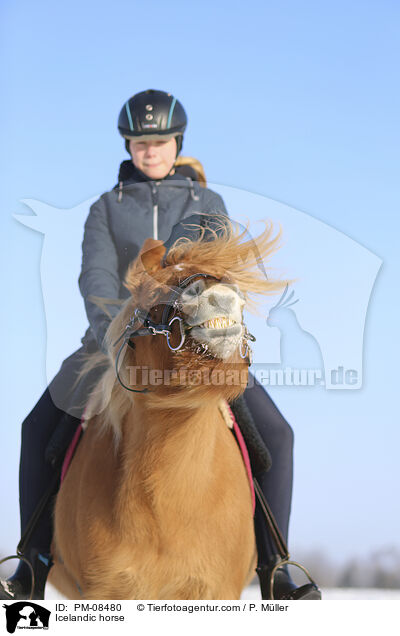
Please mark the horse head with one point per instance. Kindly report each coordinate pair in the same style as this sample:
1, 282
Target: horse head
188, 304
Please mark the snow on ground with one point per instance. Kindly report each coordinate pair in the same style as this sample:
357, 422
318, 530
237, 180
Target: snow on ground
340, 594
332, 594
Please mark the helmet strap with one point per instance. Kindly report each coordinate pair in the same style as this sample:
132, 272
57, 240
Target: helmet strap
179, 143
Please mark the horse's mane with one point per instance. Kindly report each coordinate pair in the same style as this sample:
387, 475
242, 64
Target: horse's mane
228, 250
222, 249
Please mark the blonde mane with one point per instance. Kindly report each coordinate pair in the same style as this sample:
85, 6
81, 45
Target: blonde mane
234, 253
231, 254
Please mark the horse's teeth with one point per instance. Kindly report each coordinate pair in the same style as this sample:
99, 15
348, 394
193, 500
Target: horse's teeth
218, 323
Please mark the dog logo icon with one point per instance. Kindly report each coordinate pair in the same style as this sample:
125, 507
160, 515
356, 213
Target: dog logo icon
26, 615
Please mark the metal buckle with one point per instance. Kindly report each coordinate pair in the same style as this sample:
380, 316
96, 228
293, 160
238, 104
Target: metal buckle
156, 332
247, 354
246, 351
248, 335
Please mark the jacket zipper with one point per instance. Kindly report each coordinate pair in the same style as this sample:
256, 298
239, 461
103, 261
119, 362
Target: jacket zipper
154, 196
155, 212
155, 222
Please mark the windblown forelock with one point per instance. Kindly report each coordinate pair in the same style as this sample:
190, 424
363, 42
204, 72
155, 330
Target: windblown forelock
231, 256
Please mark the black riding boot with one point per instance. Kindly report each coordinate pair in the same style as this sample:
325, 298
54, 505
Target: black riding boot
46, 434
273, 469
284, 587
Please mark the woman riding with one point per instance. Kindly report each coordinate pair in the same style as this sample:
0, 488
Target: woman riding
150, 200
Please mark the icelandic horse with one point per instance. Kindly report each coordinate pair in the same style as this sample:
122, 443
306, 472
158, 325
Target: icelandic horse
156, 503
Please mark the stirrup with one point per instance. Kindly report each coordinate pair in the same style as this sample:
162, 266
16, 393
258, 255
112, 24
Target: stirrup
267, 578
17, 587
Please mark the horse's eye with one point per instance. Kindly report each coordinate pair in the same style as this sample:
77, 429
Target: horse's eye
196, 288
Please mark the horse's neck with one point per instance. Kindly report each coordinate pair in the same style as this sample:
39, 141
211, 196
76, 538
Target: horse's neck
167, 451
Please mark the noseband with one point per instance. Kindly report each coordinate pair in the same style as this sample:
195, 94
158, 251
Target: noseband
164, 328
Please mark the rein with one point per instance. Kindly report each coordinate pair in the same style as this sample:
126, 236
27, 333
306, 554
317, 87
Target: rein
164, 328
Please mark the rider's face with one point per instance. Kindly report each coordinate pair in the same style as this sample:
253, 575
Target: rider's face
154, 157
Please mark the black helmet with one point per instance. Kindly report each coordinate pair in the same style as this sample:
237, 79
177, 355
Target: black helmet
152, 113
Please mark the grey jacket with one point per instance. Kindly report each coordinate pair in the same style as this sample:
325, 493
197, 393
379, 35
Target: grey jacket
116, 228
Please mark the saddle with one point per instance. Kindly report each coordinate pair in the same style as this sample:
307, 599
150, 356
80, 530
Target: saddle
260, 457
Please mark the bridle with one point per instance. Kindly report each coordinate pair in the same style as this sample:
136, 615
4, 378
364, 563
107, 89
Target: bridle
164, 328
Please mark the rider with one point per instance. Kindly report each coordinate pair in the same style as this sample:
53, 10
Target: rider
150, 199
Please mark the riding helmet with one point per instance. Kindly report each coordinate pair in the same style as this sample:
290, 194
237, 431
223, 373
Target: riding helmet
152, 112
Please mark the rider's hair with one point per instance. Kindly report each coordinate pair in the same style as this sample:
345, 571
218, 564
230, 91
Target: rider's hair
195, 165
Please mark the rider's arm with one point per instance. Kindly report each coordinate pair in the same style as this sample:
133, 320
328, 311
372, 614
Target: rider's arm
99, 275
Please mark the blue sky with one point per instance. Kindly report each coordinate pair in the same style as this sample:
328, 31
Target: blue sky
296, 102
